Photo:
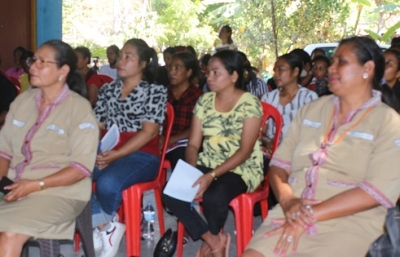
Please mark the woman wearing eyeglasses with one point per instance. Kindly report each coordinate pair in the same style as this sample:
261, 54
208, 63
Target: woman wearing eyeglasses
48, 148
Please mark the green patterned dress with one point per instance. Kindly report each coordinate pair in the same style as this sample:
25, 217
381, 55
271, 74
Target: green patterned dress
222, 133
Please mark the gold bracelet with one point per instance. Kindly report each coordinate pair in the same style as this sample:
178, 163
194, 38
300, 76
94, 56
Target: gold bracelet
41, 185
214, 175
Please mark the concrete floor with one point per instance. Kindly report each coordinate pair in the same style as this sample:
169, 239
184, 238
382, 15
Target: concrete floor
148, 246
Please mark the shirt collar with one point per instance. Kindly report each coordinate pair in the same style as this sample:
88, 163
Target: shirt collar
375, 100
60, 97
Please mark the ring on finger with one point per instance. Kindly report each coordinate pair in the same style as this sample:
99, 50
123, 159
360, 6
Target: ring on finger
289, 239
293, 216
309, 208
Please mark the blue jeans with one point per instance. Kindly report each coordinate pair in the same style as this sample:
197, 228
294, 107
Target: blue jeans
111, 181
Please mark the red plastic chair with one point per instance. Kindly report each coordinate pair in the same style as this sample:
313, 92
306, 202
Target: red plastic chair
105, 78
243, 205
132, 197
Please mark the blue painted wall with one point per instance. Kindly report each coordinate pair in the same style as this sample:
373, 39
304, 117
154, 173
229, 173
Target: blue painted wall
48, 20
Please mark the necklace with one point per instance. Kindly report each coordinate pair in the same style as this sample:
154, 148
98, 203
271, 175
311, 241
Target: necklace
340, 138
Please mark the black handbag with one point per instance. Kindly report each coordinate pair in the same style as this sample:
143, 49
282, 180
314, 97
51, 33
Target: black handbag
166, 246
388, 244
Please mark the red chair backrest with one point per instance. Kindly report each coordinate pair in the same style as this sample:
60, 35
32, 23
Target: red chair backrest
168, 127
270, 111
105, 78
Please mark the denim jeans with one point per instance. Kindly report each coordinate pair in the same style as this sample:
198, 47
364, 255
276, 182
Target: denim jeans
111, 181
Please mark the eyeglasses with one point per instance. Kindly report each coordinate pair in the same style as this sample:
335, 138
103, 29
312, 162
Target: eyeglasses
39, 62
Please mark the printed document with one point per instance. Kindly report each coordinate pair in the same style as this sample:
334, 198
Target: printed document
180, 183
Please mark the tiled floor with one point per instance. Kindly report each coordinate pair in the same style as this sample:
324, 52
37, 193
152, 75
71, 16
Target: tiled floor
148, 246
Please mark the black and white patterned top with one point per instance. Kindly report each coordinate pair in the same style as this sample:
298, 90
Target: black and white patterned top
288, 111
147, 102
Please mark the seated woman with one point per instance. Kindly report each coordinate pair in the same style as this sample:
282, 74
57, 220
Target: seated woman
182, 96
48, 147
231, 166
336, 171
392, 71
289, 96
93, 81
138, 107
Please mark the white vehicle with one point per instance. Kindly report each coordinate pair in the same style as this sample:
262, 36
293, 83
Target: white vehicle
329, 48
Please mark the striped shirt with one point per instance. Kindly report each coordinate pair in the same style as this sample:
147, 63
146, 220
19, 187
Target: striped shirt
288, 111
260, 89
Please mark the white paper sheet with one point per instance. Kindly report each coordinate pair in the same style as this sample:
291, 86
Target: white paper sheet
180, 183
110, 139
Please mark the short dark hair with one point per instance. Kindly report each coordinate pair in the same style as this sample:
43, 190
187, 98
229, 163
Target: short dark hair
318, 50
20, 49
205, 59
232, 62
303, 55
171, 50
322, 58
114, 48
85, 52
190, 62
395, 42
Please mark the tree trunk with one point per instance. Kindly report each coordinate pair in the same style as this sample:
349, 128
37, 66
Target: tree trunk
359, 10
274, 28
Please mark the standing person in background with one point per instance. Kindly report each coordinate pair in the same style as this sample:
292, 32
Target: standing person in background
138, 107
392, 71
162, 71
111, 68
225, 34
16, 71
92, 80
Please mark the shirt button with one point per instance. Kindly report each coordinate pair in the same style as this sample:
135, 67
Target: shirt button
315, 163
37, 123
26, 161
26, 142
309, 185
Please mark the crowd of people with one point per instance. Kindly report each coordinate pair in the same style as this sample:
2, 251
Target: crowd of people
333, 176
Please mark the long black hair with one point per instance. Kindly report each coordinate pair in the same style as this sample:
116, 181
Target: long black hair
250, 76
65, 55
148, 55
229, 30
232, 62
366, 49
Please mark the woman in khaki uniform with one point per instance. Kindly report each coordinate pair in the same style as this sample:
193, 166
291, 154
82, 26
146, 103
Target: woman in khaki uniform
48, 148
336, 172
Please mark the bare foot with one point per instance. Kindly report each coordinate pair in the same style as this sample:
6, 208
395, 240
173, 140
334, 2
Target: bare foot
204, 251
